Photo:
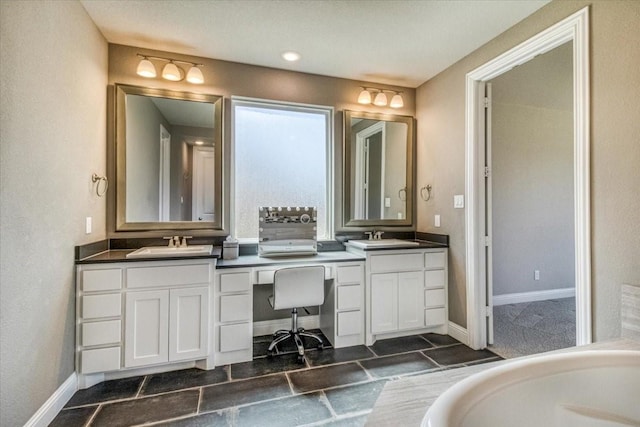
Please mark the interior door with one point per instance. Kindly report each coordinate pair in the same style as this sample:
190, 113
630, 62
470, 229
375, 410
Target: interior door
164, 178
203, 182
487, 216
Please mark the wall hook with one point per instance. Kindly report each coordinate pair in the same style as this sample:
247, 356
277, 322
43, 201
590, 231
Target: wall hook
96, 178
428, 189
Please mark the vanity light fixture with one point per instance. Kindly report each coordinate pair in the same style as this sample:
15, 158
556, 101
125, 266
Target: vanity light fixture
380, 99
170, 71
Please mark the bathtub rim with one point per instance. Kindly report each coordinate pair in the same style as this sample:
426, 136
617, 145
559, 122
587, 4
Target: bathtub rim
444, 412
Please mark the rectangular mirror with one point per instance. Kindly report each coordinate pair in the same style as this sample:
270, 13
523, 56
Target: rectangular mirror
378, 169
168, 160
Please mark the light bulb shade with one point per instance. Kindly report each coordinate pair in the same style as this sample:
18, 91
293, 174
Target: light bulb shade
380, 99
396, 101
195, 76
172, 72
364, 97
146, 69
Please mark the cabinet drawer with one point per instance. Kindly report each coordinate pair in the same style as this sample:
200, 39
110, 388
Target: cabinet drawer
349, 297
349, 323
434, 298
349, 274
234, 308
235, 337
434, 279
100, 360
396, 262
101, 280
434, 260
434, 316
235, 282
98, 333
168, 275
96, 306
265, 277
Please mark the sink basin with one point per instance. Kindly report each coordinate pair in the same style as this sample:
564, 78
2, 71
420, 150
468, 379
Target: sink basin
384, 243
165, 251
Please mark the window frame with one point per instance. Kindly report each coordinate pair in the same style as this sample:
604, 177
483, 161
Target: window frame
328, 112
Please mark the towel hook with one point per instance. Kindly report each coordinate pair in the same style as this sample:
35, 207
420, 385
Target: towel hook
95, 178
428, 188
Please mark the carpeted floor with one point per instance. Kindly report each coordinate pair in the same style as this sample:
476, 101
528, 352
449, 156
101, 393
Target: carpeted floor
534, 327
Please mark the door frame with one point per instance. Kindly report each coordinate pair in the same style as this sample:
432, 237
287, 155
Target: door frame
573, 28
362, 167
196, 182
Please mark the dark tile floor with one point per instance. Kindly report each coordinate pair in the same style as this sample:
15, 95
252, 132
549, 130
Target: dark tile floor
336, 387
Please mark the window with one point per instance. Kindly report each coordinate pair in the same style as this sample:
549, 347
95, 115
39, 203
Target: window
282, 157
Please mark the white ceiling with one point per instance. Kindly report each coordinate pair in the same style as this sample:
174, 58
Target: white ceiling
401, 42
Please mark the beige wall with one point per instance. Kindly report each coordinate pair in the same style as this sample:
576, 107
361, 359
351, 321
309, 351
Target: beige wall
233, 79
52, 118
615, 151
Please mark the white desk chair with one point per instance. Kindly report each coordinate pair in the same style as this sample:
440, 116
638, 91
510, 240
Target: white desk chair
296, 287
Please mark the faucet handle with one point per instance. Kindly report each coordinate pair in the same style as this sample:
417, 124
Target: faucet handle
184, 241
378, 235
171, 241
370, 234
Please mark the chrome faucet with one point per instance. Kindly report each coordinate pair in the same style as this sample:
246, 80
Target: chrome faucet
370, 234
378, 235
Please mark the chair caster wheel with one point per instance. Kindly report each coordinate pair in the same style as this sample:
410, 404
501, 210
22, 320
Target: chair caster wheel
301, 359
270, 353
320, 347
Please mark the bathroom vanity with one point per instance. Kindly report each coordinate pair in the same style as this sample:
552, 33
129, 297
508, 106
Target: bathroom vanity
139, 315
406, 290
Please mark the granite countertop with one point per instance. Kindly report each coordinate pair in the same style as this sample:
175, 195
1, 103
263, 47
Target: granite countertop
320, 257
120, 255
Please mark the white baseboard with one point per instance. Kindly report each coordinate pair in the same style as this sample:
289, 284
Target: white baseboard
267, 327
519, 297
458, 332
53, 405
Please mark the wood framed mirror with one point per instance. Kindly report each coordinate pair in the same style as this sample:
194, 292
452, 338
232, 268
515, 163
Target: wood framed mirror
378, 154
168, 160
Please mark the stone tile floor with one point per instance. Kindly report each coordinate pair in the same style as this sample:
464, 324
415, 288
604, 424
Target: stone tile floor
336, 387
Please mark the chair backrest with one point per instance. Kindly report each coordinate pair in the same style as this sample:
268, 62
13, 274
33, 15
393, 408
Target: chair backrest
298, 287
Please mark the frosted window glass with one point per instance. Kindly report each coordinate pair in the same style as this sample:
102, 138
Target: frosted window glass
280, 160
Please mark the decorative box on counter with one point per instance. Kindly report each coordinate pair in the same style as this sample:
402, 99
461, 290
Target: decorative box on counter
230, 248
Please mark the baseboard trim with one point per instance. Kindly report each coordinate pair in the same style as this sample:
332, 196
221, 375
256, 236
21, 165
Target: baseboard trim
458, 332
267, 327
519, 297
53, 405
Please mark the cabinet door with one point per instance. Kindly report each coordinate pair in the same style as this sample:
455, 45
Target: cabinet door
188, 323
384, 303
146, 328
410, 300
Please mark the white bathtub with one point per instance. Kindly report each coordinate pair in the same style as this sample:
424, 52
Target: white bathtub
585, 389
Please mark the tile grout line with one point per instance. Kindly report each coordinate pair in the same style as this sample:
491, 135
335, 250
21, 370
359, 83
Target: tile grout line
142, 383
93, 417
324, 399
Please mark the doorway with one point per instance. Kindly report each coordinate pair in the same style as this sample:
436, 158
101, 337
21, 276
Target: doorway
529, 206
479, 306
203, 204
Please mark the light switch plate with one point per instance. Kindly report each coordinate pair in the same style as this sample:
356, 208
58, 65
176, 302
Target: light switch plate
437, 221
458, 201
387, 202
87, 225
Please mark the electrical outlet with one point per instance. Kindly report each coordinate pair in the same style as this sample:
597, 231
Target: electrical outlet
536, 274
87, 225
436, 221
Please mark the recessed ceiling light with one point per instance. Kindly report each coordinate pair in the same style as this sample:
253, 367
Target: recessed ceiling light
291, 56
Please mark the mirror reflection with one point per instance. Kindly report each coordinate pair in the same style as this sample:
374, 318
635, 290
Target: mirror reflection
169, 159
378, 159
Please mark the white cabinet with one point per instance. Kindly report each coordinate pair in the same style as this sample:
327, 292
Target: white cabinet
233, 321
342, 314
397, 301
142, 313
166, 326
406, 292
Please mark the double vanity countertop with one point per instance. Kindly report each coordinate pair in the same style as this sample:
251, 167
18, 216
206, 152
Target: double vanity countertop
101, 253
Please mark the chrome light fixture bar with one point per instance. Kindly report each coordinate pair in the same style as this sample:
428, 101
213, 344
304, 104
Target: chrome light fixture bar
170, 71
366, 96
